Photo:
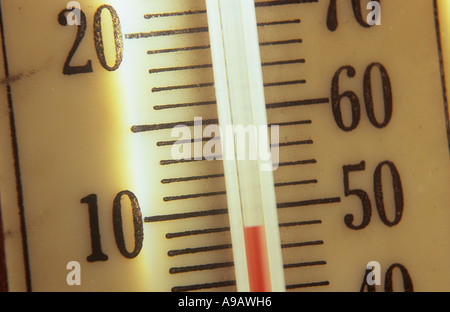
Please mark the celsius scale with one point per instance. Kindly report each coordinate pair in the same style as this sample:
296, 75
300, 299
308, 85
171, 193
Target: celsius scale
93, 199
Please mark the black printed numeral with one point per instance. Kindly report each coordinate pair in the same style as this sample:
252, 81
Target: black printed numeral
337, 98
81, 32
388, 283
97, 253
379, 198
137, 225
98, 40
332, 19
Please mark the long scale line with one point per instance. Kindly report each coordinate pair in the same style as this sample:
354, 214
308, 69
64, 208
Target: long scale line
284, 83
171, 14
201, 195
216, 138
302, 244
192, 178
296, 61
293, 143
304, 264
183, 49
162, 33
206, 47
300, 223
282, 2
298, 163
186, 215
183, 105
170, 143
226, 229
193, 12
222, 284
211, 84
220, 265
280, 42
150, 16
202, 267
178, 252
194, 30
184, 13
144, 128
197, 232
164, 126
257, 4
263, 24
179, 68
268, 106
308, 285
167, 162
311, 202
291, 123
298, 103
203, 286
295, 183
192, 196
208, 66
214, 212
219, 176
183, 87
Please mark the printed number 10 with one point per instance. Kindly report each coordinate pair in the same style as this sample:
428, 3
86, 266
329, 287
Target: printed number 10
97, 253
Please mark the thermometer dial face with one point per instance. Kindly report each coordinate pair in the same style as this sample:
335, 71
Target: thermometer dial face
93, 199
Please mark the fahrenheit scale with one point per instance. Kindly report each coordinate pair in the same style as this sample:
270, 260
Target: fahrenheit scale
88, 177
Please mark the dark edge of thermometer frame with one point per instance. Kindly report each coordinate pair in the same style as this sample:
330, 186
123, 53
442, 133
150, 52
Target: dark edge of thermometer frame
19, 188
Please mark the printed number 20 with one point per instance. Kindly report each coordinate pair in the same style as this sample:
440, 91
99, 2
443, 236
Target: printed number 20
98, 40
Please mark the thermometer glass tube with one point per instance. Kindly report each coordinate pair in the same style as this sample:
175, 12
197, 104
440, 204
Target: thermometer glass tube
241, 104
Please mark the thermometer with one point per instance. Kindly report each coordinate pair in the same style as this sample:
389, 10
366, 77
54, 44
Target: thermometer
114, 173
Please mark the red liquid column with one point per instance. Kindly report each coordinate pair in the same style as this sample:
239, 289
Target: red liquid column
257, 259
